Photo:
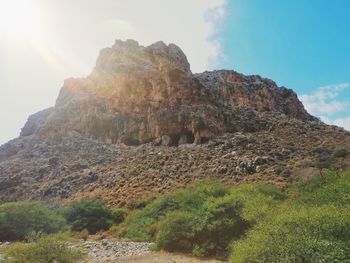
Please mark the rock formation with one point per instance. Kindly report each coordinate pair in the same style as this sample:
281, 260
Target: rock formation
140, 94
112, 134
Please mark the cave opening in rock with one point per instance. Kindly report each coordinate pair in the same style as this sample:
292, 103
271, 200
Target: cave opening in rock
204, 140
185, 137
175, 140
189, 137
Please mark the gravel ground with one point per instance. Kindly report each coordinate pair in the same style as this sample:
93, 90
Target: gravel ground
109, 251
112, 251
162, 257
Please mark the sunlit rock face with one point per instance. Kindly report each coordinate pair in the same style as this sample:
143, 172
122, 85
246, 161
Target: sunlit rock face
139, 94
229, 127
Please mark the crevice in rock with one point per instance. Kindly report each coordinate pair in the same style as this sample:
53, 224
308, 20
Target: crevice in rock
204, 140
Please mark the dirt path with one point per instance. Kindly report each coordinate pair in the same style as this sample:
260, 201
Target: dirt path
162, 257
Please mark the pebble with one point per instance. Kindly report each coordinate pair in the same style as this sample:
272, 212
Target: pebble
109, 250
105, 250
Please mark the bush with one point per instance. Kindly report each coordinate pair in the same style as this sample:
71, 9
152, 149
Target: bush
320, 190
207, 232
341, 153
46, 249
119, 215
297, 234
258, 200
307, 223
139, 203
324, 161
142, 225
18, 219
90, 214
202, 220
177, 231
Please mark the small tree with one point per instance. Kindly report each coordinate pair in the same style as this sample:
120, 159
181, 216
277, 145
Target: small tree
45, 249
323, 161
18, 219
90, 214
119, 215
341, 153
205, 233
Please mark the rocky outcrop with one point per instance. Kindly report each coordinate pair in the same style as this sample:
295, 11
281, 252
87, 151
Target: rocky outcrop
36, 121
39, 168
108, 135
140, 94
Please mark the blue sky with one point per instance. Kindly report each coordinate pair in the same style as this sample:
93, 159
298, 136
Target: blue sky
300, 44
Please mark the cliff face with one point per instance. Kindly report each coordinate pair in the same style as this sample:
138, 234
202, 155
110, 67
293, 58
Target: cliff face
227, 127
141, 94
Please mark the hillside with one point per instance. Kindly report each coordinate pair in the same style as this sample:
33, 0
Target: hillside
142, 124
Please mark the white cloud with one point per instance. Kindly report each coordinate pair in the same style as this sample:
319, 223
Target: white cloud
341, 122
325, 100
336, 87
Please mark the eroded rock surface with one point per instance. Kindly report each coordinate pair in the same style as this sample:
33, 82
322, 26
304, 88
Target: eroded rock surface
112, 135
47, 169
139, 94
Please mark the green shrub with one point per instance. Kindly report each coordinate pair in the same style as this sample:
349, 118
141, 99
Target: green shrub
18, 219
139, 203
119, 215
177, 231
326, 189
142, 225
90, 214
307, 223
206, 232
324, 161
203, 219
297, 234
341, 153
46, 249
258, 200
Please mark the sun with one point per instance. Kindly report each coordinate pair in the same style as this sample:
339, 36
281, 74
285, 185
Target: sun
20, 19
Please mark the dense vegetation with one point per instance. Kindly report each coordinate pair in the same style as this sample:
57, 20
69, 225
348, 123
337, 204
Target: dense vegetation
19, 219
297, 234
89, 214
253, 223
31, 222
312, 225
309, 222
45, 249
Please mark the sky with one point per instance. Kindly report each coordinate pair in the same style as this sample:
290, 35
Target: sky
300, 44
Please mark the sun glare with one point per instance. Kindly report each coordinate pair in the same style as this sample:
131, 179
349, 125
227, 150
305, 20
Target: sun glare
20, 19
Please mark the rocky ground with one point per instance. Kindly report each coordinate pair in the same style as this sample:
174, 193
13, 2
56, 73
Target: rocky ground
106, 251
35, 168
112, 251
165, 258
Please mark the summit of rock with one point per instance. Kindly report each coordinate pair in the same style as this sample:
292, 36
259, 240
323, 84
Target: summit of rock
139, 94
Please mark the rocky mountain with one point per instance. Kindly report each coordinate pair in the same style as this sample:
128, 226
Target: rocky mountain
142, 123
